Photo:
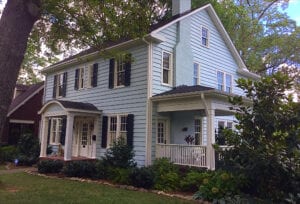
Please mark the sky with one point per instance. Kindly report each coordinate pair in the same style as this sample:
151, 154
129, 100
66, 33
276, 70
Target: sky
293, 9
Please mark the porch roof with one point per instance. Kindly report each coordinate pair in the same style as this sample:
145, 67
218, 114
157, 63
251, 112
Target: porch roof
184, 91
71, 106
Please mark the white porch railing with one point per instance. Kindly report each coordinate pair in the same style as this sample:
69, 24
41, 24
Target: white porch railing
191, 155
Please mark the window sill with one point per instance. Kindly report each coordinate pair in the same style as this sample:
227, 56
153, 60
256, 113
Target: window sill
168, 85
56, 144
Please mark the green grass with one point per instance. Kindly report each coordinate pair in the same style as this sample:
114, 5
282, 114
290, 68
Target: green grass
2, 167
24, 188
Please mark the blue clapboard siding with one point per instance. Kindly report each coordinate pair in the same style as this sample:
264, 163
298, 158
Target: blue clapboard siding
127, 100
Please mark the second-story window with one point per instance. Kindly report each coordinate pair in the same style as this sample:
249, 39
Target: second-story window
220, 79
204, 36
93, 75
60, 85
79, 79
120, 71
196, 75
224, 82
167, 68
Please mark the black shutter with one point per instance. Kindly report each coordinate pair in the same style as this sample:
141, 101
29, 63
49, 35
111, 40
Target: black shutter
76, 79
129, 128
95, 75
65, 77
54, 86
49, 131
63, 131
111, 73
127, 69
104, 132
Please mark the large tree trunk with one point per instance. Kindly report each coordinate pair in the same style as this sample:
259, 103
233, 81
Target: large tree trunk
16, 24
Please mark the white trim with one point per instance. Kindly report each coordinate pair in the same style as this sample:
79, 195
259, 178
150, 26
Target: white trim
21, 121
118, 128
171, 69
23, 102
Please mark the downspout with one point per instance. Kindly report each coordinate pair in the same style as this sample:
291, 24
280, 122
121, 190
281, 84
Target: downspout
209, 149
148, 139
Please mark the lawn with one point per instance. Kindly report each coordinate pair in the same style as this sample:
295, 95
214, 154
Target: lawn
24, 188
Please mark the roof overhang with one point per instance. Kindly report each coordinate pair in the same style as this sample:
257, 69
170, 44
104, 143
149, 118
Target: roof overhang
66, 109
24, 101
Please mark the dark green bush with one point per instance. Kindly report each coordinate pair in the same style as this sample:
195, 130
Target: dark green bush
119, 155
102, 171
142, 177
28, 149
166, 175
119, 175
192, 181
8, 153
82, 169
50, 166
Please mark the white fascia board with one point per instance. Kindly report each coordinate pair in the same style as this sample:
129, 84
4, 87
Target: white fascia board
21, 121
21, 104
249, 74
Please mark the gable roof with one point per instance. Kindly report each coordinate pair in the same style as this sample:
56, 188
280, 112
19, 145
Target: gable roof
21, 99
155, 28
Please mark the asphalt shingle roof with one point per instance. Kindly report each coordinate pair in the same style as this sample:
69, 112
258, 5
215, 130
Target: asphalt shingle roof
78, 105
184, 89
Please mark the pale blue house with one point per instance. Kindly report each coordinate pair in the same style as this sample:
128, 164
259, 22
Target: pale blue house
166, 93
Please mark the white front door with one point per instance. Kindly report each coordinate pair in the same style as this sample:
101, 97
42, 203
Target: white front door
83, 141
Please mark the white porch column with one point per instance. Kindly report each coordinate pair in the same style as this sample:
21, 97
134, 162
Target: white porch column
44, 136
69, 137
96, 132
210, 154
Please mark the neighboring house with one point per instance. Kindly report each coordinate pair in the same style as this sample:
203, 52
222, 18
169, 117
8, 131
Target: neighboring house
165, 93
23, 114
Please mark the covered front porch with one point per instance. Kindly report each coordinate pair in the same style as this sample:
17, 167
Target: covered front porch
70, 129
187, 122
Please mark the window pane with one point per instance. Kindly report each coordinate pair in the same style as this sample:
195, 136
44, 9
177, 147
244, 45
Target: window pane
220, 78
228, 83
166, 60
120, 71
165, 76
161, 132
196, 74
198, 132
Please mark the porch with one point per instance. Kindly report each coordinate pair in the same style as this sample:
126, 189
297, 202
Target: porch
187, 121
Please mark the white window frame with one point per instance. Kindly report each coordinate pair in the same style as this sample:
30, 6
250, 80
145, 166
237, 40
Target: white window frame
55, 131
118, 131
81, 78
207, 38
166, 121
119, 63
90, 75
197, 78
58, 85
170, 69
224, 82
225, 124
201, 128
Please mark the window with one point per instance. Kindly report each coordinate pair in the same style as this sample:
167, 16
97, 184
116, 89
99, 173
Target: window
59, 85
228, 87
120, 71
198, 131
220, 137
117, 128
161, 131
56, 130
224, 82
93, 75
167, 63
204, 36
220, 78
81, 78
196, 77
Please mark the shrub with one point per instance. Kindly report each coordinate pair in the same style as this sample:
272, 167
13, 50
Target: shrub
142, 177
119, 155
50, 166
192, 181
29, 149
119, 175
8, 153
102, 171
166, 175
84, 169
217, 185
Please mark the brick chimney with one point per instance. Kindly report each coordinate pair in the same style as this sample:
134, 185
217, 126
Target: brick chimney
180, 6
